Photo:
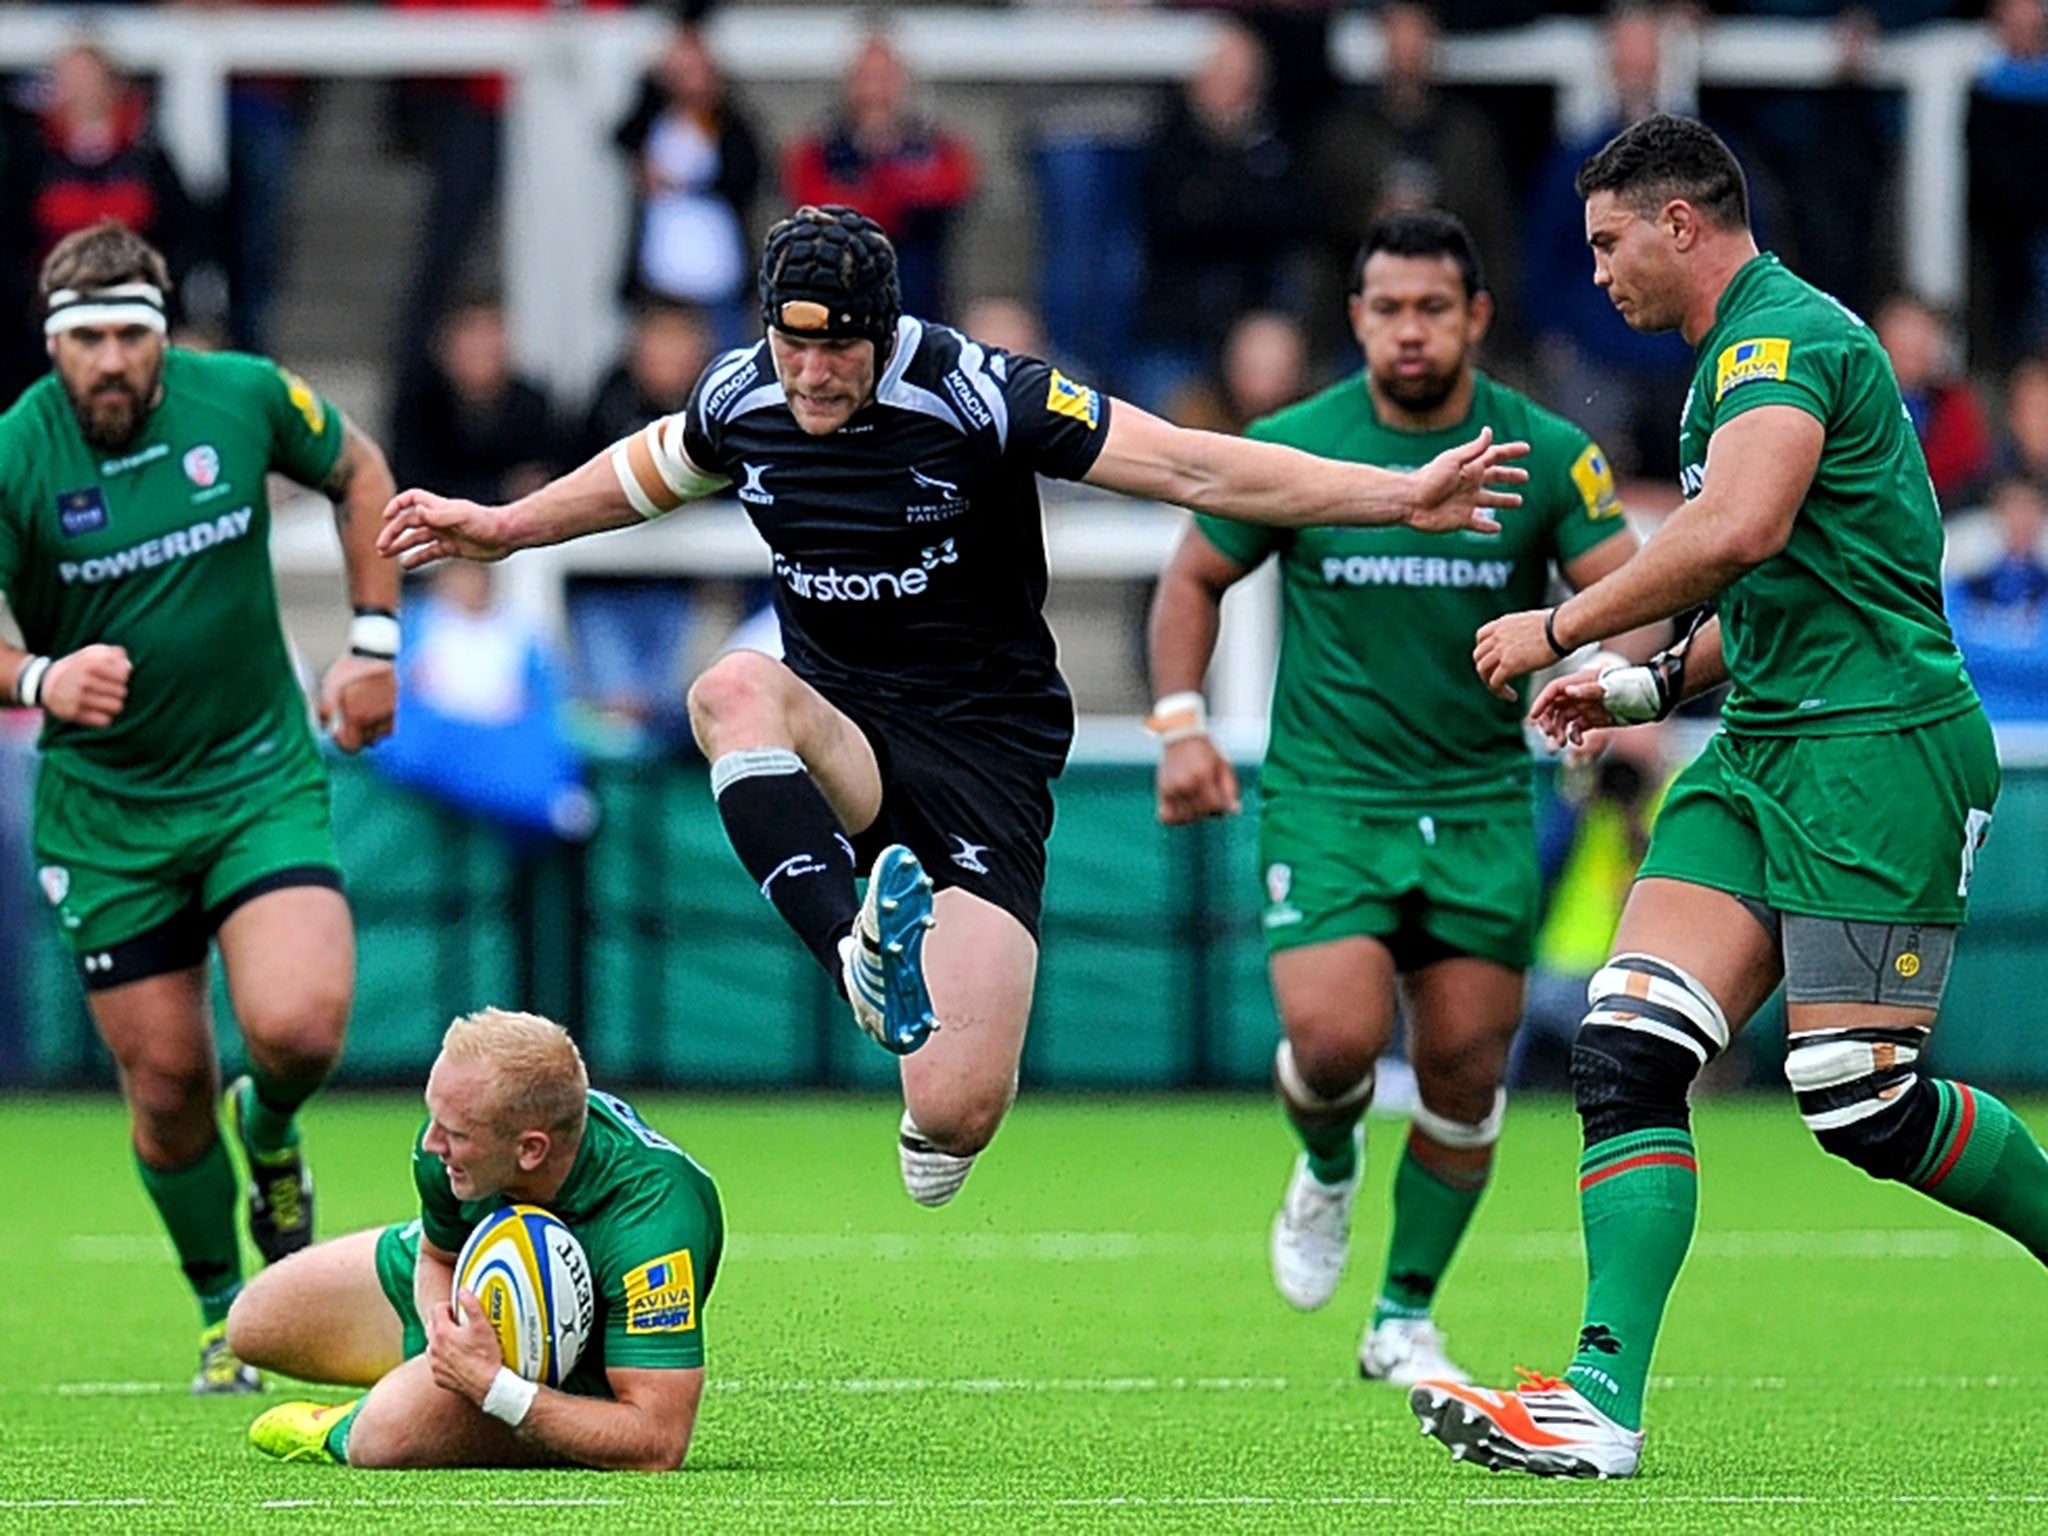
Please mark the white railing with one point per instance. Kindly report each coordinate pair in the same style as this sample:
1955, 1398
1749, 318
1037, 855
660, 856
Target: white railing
566, 196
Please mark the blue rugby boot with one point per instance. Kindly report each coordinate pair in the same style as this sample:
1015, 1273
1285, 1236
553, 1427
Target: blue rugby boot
884, 955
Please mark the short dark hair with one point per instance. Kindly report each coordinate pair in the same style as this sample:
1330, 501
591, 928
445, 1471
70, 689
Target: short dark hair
1664, 157
102, 256
1421, 232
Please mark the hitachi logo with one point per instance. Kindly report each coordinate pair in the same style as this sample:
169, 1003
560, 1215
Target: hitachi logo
1414, 571
151, 553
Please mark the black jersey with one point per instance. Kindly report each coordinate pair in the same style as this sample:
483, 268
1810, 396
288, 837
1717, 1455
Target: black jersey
909, 545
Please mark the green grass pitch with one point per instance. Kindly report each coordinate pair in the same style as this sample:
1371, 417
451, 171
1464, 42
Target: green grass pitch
1087, 1340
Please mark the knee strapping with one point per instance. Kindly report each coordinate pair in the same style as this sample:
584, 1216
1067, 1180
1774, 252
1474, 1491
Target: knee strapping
1295, 1089
1860, 1093
1649, 1029
1446, 1132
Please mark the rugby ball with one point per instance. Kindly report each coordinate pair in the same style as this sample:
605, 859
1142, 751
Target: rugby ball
533, 1279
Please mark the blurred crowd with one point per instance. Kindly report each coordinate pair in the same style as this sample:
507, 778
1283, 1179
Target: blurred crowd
1191, 255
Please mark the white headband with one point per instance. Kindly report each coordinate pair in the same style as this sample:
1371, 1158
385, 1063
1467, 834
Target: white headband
120, 304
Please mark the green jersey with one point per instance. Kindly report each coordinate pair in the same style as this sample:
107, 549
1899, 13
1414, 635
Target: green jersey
1376, 700
1842, 631
164, 549
649, 1221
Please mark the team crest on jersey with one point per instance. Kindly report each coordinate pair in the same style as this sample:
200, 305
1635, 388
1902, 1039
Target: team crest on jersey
81, 511
308, 403
1063, 397
1594, 477
661, 1297
1747, 362
56, 882
943, 498
1280, 912
202, 465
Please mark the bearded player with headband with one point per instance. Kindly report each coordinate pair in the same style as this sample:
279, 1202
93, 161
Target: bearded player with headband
181, 799
915, 723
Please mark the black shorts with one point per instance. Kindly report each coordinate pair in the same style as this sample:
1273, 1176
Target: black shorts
974, 807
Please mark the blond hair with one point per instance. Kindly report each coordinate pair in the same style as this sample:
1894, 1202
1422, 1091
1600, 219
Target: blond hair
538, 1081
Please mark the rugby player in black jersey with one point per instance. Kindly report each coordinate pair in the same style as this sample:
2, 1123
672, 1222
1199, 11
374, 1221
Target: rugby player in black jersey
917, 717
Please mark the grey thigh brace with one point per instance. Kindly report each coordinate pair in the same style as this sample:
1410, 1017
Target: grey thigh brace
1900, 965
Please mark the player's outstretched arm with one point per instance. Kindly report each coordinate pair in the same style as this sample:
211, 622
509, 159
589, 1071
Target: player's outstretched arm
1195, 780
359, 694
646, 1428
1267, 483
1759, 467
421, 527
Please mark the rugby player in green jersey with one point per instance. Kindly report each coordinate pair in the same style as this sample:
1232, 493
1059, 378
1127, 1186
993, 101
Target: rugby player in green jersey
512, 1120
1396, 830
181, 799
1825, 838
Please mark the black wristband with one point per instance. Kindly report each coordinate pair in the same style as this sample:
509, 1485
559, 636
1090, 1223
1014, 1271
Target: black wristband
1550, 634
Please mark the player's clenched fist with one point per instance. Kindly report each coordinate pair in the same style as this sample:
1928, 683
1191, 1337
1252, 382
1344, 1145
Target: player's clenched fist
1195, 780
88, 687
358, 701
420, 527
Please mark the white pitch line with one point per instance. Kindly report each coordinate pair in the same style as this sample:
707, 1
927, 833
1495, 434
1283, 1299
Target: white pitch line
1558, 1246
1613, 1498
1111, 1386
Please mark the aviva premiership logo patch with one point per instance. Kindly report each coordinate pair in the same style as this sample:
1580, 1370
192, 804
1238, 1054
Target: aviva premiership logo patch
1768, 357
1063, 397
1594, 477
308, 403
661, 1297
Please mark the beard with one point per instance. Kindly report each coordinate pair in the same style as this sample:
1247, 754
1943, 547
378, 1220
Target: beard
1422, 394
111, 416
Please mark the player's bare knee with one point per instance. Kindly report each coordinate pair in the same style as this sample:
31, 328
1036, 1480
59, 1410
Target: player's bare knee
741, 692
300, 1044
173, 1115
1345, 1091
1330, 1059
1460, 1083
961, 1124
253, 1323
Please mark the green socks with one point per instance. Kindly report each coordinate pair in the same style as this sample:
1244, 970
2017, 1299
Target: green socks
197, 1203
1984, 1162
265, 1107
1333, 1152
1638, 1199
1431, 1211
337, 1437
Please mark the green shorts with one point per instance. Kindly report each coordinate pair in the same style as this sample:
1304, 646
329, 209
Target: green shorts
117, 869
1878, 829
398, 1260
1428, 886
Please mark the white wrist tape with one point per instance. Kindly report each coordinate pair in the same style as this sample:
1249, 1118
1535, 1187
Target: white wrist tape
1177, 717
510, 1398
1631, 694
373, 634
28, 682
